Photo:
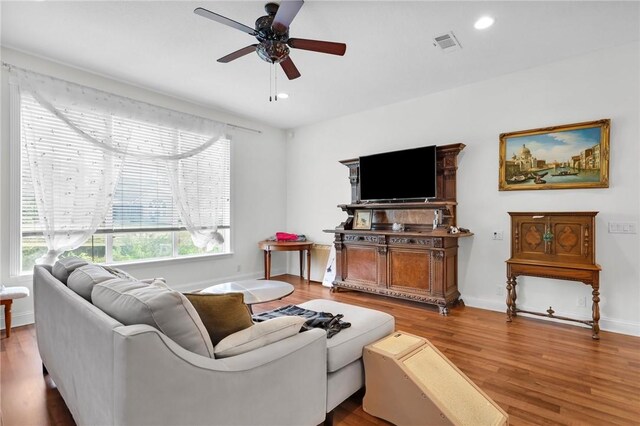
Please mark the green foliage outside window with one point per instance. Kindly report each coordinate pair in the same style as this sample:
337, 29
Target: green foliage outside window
125, 247
93, 250
136, 246
32, 248
186, 247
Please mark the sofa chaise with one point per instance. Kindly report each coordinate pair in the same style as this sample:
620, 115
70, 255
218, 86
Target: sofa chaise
112, 374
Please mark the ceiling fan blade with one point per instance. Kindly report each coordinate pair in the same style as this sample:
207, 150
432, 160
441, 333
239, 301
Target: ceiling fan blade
290, 69
286, 12
238, 54
224, 20
318, 46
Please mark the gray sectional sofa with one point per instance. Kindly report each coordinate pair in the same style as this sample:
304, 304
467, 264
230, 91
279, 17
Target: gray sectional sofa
112, 374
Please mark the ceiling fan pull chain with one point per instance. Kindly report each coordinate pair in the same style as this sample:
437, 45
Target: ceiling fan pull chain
270, 88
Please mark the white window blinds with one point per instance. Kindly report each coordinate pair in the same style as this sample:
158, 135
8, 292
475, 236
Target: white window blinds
98, 162
142, 197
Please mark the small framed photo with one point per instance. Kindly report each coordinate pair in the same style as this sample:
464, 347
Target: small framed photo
362, 219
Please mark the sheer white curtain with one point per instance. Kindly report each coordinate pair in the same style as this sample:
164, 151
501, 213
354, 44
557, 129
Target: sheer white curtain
73, 182
200, 188
77, 149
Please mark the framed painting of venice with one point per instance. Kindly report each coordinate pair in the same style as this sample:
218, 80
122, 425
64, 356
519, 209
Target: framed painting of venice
560, 157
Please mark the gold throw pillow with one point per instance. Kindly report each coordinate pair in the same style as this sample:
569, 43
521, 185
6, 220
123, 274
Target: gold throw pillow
222, 314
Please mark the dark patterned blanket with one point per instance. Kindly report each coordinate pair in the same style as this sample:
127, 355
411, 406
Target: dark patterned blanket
329, 322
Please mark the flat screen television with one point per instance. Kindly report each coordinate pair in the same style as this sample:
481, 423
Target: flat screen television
409, 174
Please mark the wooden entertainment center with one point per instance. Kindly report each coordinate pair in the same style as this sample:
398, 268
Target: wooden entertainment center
418, 261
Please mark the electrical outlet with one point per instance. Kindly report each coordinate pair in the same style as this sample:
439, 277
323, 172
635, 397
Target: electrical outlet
497, 235
238, 268
499, 290
582, 302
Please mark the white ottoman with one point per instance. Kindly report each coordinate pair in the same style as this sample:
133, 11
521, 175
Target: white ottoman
345, 370
7, 294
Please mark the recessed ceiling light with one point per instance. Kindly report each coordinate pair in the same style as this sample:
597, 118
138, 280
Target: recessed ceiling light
282, 96
484, 23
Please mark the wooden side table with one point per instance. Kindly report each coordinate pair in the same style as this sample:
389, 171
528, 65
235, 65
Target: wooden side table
7, 294
269, 246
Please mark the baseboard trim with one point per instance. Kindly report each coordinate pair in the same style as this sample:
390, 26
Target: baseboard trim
606, 324
18, 319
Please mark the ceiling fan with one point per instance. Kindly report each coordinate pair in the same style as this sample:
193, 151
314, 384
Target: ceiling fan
272, 33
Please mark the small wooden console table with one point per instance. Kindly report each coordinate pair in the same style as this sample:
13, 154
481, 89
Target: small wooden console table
269, 246
559, 245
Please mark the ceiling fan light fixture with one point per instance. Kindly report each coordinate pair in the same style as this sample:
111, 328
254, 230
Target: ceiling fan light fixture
484, 22
273, 52
272, 33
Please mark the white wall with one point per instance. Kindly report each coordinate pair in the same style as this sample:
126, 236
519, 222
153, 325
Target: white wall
602, 84
258, 181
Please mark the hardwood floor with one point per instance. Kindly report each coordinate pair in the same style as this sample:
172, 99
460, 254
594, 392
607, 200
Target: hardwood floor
541, 373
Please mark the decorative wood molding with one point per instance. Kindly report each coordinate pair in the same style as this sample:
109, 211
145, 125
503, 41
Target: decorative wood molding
354, 174
392, 293
376, 239
587, 243
400, 240
551, 275
567, 239
426, 242
533, 237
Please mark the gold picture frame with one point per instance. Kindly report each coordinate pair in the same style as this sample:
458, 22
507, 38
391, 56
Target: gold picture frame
362, 219
559, 157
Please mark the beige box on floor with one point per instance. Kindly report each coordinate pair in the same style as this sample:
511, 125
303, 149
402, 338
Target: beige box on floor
410, 382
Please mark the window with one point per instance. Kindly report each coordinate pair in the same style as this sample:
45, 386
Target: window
143, 220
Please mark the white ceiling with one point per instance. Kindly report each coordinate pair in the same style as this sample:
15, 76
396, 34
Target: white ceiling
164, 46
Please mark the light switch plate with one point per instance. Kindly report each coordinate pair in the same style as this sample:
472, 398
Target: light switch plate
623, 227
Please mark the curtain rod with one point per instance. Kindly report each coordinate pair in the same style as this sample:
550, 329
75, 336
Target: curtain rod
247, 129
235, 126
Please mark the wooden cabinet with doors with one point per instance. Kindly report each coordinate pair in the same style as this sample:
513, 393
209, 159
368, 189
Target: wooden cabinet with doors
558, 245
418, 262
415, 264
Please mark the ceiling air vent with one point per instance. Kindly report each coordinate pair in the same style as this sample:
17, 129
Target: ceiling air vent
447, 42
